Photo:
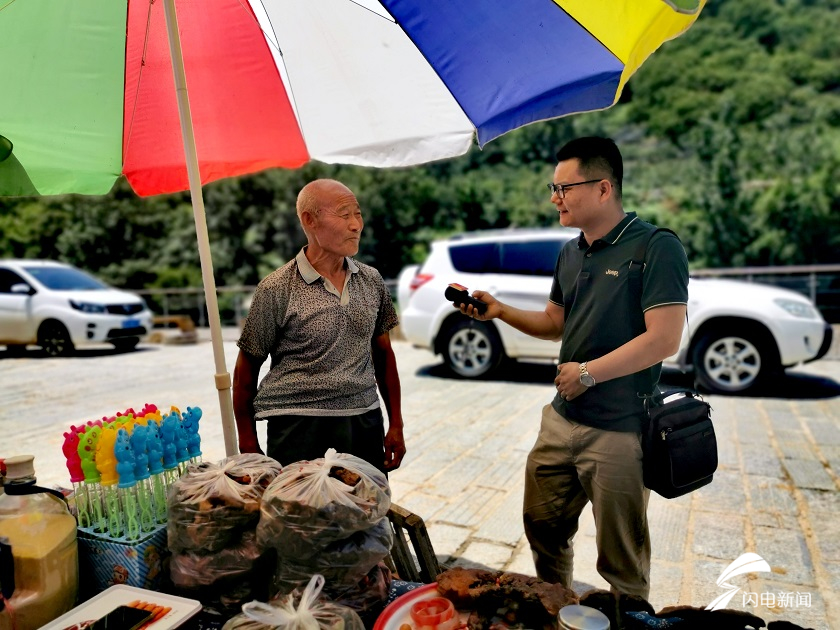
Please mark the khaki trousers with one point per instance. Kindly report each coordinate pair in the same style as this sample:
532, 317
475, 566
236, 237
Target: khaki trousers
569, 465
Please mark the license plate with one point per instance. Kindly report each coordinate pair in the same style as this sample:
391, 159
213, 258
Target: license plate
131, 323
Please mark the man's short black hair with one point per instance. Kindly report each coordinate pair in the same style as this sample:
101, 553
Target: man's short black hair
598, 157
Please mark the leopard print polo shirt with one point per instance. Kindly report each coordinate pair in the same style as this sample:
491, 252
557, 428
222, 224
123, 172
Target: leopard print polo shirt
319, 340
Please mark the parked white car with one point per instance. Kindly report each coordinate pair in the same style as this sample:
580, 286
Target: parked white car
738, 333
59, 307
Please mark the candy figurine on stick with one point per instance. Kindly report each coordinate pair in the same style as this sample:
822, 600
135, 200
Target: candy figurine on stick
127, 486
70, 448
154, 448
189, 420
139, 440
168, 435
87, 453
106, 464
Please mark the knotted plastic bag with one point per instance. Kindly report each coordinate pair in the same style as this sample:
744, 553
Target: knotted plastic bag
313, 503
297, 611
212, 504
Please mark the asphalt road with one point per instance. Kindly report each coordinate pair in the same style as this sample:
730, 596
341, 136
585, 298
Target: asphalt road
775, 493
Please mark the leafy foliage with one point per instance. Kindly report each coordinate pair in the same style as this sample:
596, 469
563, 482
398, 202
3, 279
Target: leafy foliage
731, 136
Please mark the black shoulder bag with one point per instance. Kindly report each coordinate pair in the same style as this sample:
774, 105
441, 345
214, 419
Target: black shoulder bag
678, 439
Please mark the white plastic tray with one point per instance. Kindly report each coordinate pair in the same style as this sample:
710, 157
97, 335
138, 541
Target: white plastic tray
106, 601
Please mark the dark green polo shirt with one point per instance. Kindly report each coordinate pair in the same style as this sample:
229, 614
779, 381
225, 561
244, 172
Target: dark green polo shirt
593, 284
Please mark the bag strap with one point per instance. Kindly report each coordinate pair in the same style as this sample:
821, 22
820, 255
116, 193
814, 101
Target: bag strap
644, 384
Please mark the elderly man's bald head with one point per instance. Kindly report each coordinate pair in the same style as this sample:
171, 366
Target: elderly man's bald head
316, 193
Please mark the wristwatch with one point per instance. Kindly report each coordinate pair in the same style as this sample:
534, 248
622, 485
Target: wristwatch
585, 377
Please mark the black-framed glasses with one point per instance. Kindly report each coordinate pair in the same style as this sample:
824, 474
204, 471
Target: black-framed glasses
560, 189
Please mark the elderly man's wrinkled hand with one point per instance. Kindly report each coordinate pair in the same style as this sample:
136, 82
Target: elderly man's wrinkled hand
394, 448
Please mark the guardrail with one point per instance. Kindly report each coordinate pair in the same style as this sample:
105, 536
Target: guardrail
821, 283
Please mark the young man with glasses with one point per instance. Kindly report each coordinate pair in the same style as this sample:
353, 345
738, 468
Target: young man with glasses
589, 445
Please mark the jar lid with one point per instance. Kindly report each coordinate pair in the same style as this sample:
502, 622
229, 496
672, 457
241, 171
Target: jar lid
577, 617
20, 466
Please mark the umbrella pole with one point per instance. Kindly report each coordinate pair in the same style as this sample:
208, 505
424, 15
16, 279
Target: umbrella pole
223, 381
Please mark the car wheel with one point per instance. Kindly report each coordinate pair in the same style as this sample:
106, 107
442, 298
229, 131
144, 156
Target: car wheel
733, 362
15, 349
472, 349
125, 344
55, 340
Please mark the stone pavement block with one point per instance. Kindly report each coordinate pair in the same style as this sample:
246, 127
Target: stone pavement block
809, 474
832, 456
586, 558
506, 471
787, 554
668, 530
782, 602
825, 432
490, 555
469, 508
778, 411
447, 540
832, 570
761, 460
424, 505
822, 501
459, 474
665, 584
724, 494
727, 453
522, 560
702, 582
826, 528
425, 466
586, 522
797, 450
525, 443
455, 439
751, 430
771, 495
718, 535
503, 524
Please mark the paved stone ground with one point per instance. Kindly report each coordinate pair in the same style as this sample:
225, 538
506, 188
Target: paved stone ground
776, 492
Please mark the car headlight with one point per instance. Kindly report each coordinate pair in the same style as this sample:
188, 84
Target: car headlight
87, 307
796, 308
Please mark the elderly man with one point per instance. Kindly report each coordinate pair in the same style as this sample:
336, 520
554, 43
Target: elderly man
324, 320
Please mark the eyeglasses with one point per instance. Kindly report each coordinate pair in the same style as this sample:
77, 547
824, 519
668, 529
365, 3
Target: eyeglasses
560, 189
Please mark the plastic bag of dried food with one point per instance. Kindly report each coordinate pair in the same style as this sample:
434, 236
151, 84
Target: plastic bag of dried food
342, 562
298, 611
252, 468
189, 570
367, 597
209, 506
313, 503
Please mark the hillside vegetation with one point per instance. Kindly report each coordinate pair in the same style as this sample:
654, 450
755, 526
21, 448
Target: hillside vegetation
731, 136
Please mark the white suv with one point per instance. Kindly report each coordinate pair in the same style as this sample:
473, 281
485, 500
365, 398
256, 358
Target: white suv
58, 307
739, 333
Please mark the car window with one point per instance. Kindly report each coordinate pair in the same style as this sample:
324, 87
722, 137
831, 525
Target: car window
7, 279
475, 257
531, 258
65, 278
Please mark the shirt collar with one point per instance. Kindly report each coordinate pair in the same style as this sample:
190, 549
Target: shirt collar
310, 274
613, 235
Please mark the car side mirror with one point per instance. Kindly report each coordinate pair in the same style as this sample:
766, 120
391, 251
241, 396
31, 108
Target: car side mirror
22, 288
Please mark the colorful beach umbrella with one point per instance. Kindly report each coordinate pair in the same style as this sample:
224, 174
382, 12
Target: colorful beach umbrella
88, 91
